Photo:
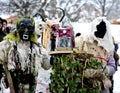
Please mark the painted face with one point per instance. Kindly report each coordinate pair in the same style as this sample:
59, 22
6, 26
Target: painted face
25, 29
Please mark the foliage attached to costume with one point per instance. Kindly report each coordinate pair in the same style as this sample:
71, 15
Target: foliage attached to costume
76, 73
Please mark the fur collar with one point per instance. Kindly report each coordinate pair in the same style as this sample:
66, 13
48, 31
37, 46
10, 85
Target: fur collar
15, 37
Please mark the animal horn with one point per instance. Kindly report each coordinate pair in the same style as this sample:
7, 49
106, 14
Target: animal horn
40, 16
63, 14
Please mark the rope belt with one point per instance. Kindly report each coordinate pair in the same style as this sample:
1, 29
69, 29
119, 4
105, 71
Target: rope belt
101, 58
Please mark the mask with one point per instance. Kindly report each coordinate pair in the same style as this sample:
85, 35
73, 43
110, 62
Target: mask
25, 29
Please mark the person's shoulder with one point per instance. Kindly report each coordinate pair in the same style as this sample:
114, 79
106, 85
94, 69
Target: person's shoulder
4, 43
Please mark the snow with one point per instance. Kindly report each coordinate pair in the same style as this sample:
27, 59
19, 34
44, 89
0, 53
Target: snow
116, 78
115, 30
80, 27
4, 16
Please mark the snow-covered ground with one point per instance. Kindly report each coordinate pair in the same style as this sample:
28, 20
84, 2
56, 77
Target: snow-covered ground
117, 81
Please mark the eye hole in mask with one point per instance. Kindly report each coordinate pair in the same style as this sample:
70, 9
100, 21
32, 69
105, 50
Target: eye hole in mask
22, 26
101, 30
30, 28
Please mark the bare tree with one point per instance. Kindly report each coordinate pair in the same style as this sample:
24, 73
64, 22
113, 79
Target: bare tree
23, 7
48, 7
104, 6
75, 10
114, 13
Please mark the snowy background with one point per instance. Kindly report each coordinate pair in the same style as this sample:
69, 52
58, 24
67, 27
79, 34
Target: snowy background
76, 10
117, 81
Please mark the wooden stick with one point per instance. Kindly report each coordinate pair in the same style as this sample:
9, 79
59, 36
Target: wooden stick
9, 78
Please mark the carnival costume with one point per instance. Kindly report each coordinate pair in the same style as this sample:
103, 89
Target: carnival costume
98, 41
24, 55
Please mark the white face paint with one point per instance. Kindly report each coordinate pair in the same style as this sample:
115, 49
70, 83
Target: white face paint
25, 36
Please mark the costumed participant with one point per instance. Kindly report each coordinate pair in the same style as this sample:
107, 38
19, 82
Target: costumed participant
98, 41
22, 56
48, 32
43, 31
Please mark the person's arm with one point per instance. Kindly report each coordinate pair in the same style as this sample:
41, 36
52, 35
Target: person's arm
110, 68
42, 58
4, 45
45, 59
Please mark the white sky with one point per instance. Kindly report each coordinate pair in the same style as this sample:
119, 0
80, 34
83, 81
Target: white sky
4, 0
117, 81
4, 16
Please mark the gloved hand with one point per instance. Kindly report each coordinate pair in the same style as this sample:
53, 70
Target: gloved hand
100, 75
106, 83
93, 73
